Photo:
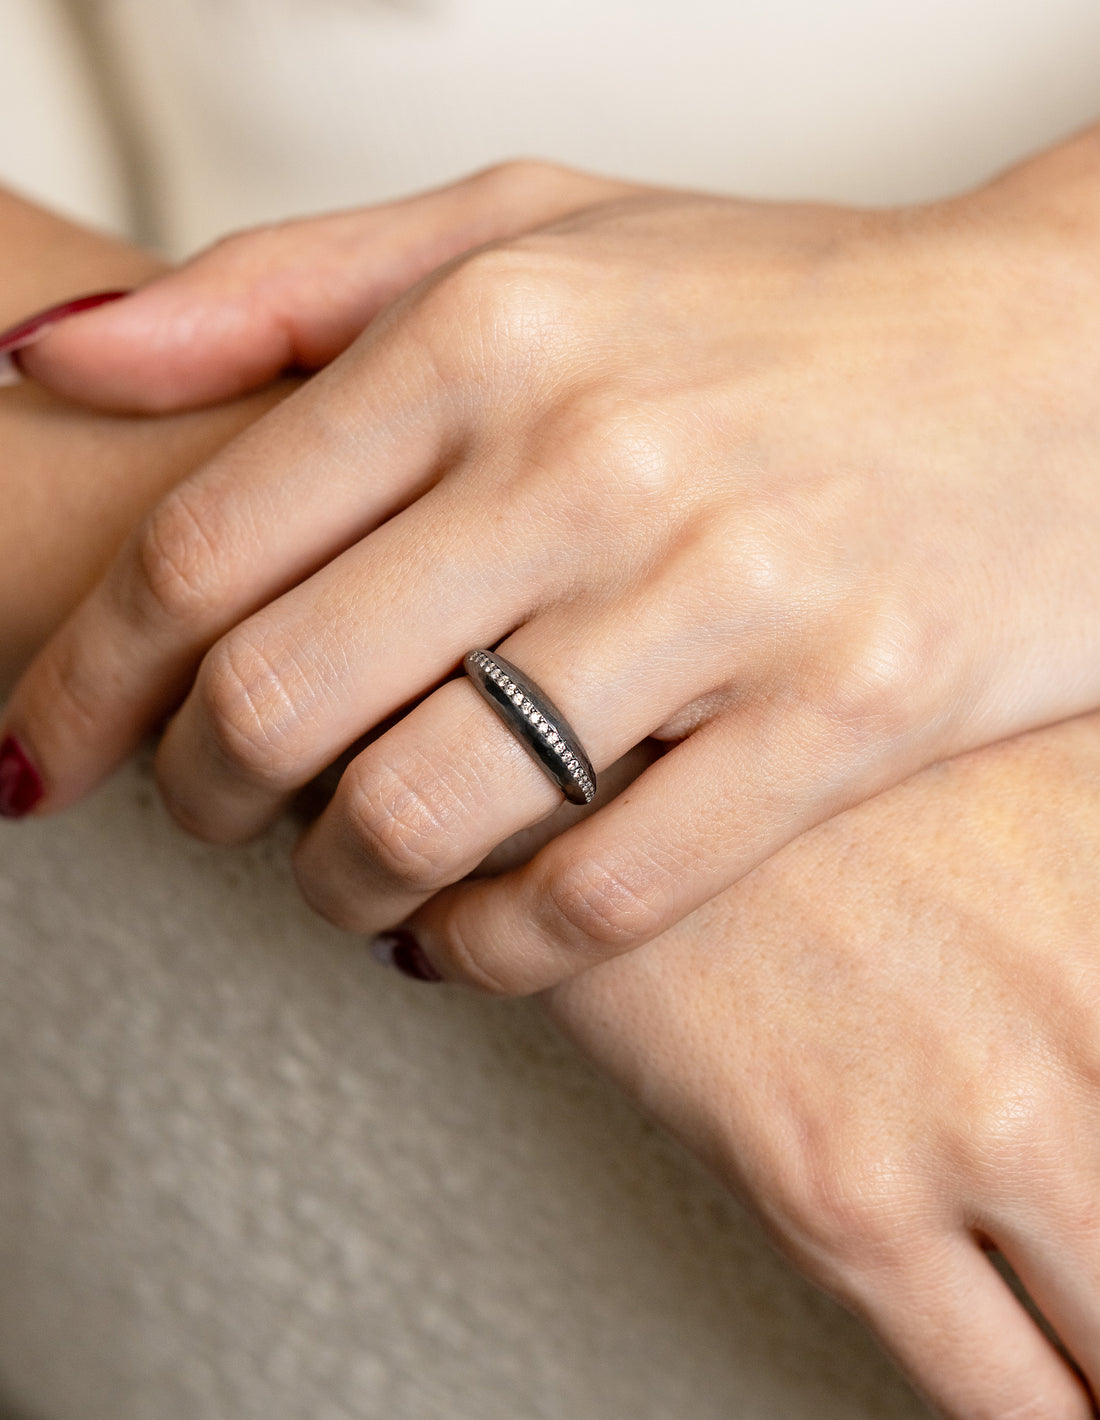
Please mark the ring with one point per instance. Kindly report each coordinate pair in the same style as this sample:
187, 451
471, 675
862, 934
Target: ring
539, 726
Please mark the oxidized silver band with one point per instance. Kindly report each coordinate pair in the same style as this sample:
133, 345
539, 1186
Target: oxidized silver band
537, 724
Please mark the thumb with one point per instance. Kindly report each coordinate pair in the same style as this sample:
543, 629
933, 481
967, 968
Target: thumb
289, 296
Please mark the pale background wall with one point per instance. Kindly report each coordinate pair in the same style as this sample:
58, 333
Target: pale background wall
243, 1173
55, 138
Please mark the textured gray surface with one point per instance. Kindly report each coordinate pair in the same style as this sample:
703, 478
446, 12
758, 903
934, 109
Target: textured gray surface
246, 1173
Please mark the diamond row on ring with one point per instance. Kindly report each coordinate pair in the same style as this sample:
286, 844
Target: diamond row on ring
546, 728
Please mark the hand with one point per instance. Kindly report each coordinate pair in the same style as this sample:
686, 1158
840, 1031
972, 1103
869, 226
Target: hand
294, 295
73, 482
886, 1038
807, 493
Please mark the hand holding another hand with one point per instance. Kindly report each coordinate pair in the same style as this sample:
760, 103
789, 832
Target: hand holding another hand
807, 494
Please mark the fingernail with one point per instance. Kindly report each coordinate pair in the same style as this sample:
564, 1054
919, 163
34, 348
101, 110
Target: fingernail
18, 337
20, 783
403, 952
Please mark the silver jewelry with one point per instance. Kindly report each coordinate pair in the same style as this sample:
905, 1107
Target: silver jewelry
541, 728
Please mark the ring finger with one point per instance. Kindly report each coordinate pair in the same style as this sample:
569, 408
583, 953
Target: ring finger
424, 804
284, 694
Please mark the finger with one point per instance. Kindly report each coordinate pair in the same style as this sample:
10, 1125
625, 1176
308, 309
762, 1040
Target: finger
287, 692
1062, 1278
238, 314
426, 803
719, 803
318, 473
954, 1327
288, 296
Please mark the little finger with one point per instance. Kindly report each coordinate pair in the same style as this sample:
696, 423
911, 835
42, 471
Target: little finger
1058, 1262
953, 1325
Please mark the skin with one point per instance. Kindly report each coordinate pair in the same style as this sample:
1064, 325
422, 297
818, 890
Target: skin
74, 482
884, 1037
808, 494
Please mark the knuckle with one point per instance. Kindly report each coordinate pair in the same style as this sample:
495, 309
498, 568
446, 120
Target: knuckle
887, 678
234, 248
253, 720
595, 461
1013, 1119
67, 690
502, 307
851, 1220
177, 571
473, 963
516, 177
627, 454
247, 254
745, 581
595, 905
405, 822
755, 568
851, 1213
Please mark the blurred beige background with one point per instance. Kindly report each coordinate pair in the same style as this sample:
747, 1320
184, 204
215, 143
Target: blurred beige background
243, 1172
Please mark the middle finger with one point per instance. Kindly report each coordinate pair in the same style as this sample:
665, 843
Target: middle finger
285, 693
423, 805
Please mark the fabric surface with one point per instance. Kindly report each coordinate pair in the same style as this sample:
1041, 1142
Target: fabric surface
243, 1172
246, 1174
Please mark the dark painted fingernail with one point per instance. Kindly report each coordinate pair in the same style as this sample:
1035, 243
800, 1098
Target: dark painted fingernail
18, 337
20, 783
403, 952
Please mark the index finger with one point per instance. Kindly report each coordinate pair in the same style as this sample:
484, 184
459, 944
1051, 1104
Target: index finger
338, 458
292, 295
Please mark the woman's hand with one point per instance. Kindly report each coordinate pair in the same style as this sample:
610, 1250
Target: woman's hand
292, 296
888, 1039
808, 494
74, 482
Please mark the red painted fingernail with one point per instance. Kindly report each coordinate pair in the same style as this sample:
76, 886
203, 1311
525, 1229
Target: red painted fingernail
20, 783
18, 337
403, 952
